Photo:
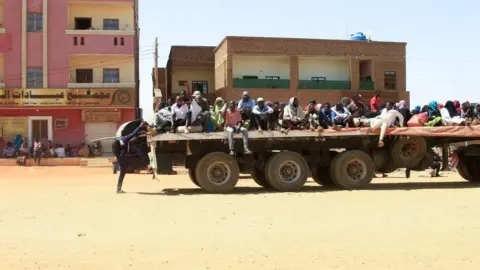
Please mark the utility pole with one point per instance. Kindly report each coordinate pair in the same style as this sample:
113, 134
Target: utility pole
156, 65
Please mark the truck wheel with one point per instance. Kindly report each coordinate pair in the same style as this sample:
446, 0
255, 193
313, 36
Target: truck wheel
287, 171
217, 172
191, 174
321, 175
352, 169
260, 178
468, 168
408, 152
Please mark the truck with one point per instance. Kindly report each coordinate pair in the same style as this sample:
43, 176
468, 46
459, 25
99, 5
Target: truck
347, 158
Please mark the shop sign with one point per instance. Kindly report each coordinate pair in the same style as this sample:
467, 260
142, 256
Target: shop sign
67, 97
101, 115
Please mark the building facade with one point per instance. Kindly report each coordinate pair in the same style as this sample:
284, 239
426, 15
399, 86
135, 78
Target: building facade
324, 70
192, 65
67, 68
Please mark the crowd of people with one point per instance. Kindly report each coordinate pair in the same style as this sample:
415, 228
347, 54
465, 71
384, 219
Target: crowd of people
250, 114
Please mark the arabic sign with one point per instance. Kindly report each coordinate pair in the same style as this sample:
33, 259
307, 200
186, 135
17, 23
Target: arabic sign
13, 125
67, 97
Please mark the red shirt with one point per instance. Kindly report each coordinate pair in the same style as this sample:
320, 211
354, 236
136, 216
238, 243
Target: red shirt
375, 101
232, 118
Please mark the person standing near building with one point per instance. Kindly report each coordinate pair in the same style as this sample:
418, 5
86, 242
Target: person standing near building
375, 102
37, 151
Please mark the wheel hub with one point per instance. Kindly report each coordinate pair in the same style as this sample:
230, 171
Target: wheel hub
289, 171
409, 150
356, 170
218, 172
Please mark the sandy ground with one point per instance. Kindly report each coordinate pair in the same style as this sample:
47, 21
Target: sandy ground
71, 218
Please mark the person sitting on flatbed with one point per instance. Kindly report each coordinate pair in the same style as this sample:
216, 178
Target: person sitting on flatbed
245, 106
179, 114
341, 116
262, 116
294, 116
163, 119
234, 124
198, 113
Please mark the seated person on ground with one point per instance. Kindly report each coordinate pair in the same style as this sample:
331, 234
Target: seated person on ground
9, 150
179, 114
263, 116
60, 151
294, 116
234, 124
245, 106
341, 116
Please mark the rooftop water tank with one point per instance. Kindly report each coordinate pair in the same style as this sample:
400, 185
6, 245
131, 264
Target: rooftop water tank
358, 36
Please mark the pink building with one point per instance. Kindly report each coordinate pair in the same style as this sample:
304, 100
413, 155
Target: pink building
67, 68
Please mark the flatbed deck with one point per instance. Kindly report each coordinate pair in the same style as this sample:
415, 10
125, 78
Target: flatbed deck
472, 132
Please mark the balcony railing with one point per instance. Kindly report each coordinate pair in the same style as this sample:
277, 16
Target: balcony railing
261, 83
367, 85
125, 29
327, 85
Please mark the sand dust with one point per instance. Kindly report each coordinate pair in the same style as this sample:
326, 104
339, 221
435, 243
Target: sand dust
71, 218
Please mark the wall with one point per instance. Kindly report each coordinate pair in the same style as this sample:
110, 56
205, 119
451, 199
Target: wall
57, 52
184, 74
13, 59
331, 69
221, 62
34, 49
129, 115
126, 65
2, 68
74, 134
261, 66
98, 12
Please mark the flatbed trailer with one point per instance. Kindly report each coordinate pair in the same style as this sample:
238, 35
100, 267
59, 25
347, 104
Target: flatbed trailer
346, 158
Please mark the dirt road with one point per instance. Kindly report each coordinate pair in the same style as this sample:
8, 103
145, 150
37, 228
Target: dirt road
71, 218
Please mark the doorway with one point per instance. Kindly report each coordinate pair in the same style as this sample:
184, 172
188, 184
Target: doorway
41, 127
83, 23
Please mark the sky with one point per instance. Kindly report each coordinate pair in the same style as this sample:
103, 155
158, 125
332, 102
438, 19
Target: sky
441, 35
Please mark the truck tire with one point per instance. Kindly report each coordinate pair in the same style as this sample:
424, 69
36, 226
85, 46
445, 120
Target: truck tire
408, 152
468, 168
381, 158
321, 175
191, 174
352, 169
260, 178
217, 172
287, 171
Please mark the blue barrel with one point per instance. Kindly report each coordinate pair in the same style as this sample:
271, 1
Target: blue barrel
358, 36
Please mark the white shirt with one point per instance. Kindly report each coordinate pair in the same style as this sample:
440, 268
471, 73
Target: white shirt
390, 117
180, 113
447, 120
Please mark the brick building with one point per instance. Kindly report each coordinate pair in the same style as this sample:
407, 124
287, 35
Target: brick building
67, 69
279, 68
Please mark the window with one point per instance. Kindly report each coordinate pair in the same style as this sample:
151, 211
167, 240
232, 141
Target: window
182, 83
317, 79
201, 86
111, 75
115, 41
82, 41
272, 77
122, 41
34, 22
83, 23
75, 41
35, 77
84, 76
111, 24
248, 77
390, 79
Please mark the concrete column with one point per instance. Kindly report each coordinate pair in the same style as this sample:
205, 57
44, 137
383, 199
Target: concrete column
294, 73
355, 73
45, 43
24, 43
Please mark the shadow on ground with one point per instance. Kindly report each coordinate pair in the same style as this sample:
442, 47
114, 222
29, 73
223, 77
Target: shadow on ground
309, 189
